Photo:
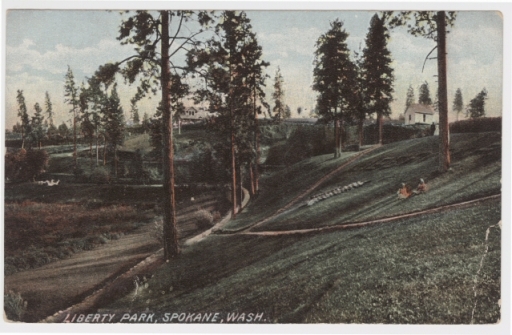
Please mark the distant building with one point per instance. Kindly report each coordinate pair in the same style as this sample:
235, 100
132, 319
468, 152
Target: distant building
195, 114
418, 113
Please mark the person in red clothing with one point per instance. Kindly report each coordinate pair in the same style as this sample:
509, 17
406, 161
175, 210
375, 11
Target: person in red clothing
422, 187
404, 192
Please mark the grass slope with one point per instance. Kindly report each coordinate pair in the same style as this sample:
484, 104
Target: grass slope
419, 270
476, 172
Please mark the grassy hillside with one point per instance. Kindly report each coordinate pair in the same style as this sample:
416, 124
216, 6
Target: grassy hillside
439, 268
413, 271
476, 172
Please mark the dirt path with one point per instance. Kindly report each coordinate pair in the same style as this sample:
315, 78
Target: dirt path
63, 283
84, 278
372, 222
96, 292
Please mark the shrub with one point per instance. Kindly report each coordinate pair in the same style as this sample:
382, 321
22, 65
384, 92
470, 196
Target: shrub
14, 306
304, 142
476, 125
100, 175
204, 219
26, 164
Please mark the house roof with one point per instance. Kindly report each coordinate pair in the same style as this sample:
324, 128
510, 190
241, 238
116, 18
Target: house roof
420, 109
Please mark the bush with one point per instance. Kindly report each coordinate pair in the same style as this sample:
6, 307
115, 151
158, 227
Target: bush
394, 133
304, 142
14, 306
204, 219
100, 175
26, 165
476, 125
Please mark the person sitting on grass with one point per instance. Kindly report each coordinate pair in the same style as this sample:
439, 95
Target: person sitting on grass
422, 187
404, 192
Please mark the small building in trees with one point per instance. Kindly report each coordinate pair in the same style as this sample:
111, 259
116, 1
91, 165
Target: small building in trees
195, 114
419, 113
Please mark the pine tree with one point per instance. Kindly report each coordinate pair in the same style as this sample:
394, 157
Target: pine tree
359, 107
145, 122
48, 108
458, 104
424, 95
36, 125
71, 94
135, 113
476, 107
152, 67
96, 100
22, 113
279, 109
409, 100
63, 129
432, 25
234, 71
335, 77
114, 124
377, 72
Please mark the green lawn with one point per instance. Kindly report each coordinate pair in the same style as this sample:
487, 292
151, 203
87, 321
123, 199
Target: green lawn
414, 271
419, 270
476, 172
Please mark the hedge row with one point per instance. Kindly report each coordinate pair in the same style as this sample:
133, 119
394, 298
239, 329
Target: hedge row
476, 125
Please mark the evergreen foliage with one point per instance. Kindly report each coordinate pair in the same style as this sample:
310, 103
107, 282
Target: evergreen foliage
409, 100
279, 109
376, 69
23, 114
424, 95
48, 108
377, 74
476, 107
37, 127
334, 78
458, 104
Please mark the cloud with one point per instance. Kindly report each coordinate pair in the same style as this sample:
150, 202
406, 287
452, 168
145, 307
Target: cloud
26, 57
287, 42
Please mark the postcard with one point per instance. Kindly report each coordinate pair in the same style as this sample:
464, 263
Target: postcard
253, 167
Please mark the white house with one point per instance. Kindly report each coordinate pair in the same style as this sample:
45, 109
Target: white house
195, 114
418, 113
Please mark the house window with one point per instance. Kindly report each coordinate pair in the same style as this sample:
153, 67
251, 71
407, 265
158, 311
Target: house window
424, 117
409, 117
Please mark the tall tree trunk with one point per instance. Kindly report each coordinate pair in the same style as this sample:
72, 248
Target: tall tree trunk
341, 145
335, 134
171, 248
233, 162
90, 151
444, 138
74, 140
360, 132
240, 189
233, 170
257, 136
97, 146
115, 162
251, 175
379, 125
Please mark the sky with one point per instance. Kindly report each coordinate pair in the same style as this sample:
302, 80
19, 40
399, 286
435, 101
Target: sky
38, 54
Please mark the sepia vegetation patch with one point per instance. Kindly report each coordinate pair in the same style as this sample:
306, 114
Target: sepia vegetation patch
40, 233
